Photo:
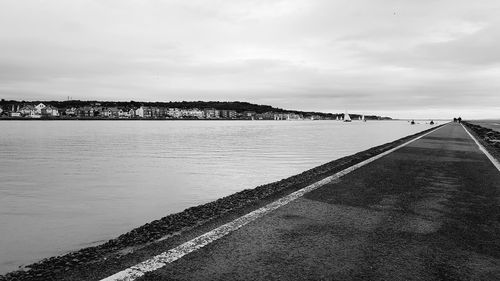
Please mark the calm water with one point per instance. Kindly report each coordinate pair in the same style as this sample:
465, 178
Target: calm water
492, 124
65, 185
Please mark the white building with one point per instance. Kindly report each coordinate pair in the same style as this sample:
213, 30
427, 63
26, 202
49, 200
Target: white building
140, 112
39, 108
144, 112
192, 113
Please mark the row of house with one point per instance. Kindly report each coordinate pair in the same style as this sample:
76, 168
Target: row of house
147, 112
152, 112
32, 111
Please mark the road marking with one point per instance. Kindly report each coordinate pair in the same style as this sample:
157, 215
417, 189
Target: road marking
176, 253
481, 147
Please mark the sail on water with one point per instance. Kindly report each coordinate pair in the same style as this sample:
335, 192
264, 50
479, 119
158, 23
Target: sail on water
347, 118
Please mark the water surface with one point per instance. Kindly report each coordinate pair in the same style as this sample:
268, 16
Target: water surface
65, 185
493, 124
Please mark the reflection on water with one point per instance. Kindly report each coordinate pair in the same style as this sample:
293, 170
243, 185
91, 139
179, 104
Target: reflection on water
70, 184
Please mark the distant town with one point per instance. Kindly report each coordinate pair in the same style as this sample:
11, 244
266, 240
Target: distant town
188, 110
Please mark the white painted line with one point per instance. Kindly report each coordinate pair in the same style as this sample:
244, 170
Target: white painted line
176, 253
481, 147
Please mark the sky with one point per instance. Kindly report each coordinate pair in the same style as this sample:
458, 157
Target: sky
398, 58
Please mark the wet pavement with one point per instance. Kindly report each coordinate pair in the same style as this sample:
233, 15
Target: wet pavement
428, 211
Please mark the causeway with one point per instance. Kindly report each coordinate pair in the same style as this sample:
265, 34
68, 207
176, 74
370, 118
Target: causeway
427, 211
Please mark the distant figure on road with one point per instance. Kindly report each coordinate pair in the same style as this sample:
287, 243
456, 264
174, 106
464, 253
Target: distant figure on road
459, 119
455, 119
432, 122
412, 122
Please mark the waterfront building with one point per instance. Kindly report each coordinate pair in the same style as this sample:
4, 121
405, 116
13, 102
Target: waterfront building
14, 112
158, 112
85, 111
139, 112
148, 112
125, 112
112, 112
174, 112
211, 113
4, 112
70, 111
195, 113
265, 116
104, 112
131, 113
29, 111
50, 111
144, 112
279, 116
97, 111
228, 114
248, 115
293, 116
162, 112
155, 112
39, 107
15, 109
184, 113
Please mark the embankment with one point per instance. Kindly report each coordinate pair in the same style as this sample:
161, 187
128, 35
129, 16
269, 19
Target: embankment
489, 138
60, 267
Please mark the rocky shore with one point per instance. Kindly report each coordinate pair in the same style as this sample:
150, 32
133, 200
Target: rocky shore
59, 267
489, 138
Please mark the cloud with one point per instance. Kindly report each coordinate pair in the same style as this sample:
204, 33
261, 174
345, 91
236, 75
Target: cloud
389, 56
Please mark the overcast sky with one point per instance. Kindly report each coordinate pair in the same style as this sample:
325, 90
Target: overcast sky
405, 59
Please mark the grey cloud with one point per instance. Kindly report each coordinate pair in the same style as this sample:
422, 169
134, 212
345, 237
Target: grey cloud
327, 54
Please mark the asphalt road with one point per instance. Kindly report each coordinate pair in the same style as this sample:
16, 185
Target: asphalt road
429, 211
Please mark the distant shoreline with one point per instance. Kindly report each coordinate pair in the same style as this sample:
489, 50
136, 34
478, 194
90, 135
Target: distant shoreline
157, 119
162, 110
127, 119
186, 119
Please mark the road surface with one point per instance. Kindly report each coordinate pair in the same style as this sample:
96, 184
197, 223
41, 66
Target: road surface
428, 211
